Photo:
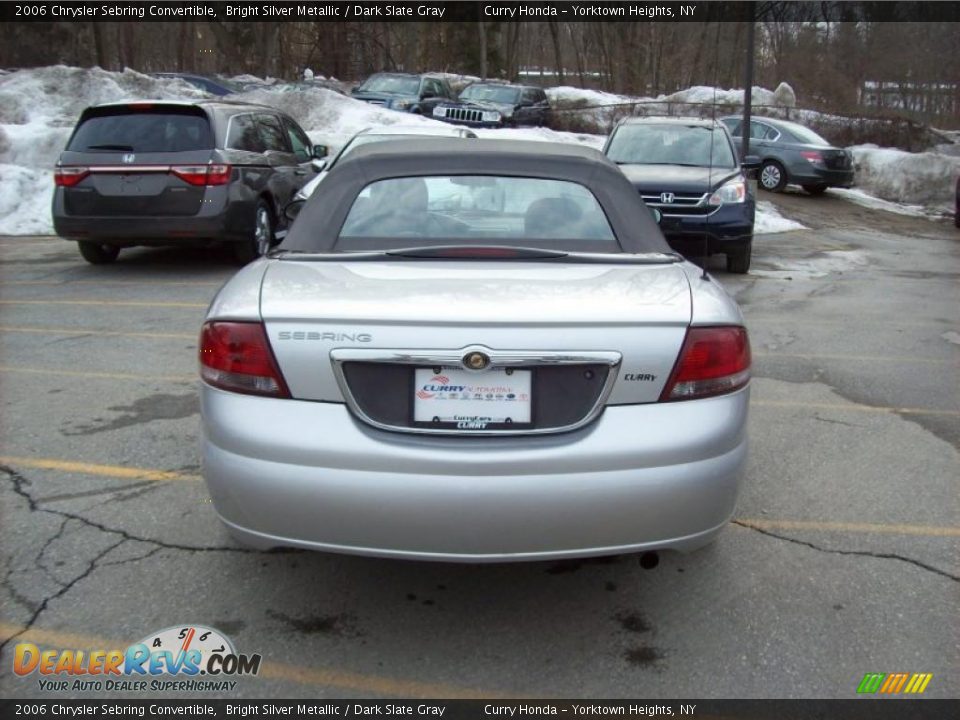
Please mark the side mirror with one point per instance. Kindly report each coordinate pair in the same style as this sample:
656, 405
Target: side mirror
293, 209
318, 165
751, 162
427, 94
657, 215
354, 89
320, 151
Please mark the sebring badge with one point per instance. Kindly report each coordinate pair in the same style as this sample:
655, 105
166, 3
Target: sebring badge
128, 158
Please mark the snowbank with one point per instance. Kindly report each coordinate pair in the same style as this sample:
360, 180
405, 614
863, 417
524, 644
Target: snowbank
913, 178
39, 107
769, 220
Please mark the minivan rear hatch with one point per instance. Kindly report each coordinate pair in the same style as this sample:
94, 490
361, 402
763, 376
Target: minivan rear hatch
137, 159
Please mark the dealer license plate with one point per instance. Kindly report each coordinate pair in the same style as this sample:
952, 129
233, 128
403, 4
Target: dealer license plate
472, 401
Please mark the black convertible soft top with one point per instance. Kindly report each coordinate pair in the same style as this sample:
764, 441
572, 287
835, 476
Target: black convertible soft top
318, 224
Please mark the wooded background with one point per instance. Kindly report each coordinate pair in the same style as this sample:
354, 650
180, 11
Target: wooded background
831, 65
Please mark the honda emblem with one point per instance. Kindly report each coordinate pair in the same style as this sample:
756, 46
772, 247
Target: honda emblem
666, 198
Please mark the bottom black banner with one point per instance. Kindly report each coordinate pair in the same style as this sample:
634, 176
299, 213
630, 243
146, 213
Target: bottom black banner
861, 709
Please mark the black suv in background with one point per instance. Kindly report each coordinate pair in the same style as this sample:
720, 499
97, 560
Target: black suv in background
488, 104
404, 92
687, 169
177, 173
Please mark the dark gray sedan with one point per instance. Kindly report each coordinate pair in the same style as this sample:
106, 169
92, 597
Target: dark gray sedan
793, 154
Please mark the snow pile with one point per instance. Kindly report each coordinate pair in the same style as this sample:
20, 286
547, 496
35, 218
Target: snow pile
25, 198
926, 178
769, 220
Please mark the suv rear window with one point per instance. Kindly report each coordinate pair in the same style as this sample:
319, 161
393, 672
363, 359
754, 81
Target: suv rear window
142, 130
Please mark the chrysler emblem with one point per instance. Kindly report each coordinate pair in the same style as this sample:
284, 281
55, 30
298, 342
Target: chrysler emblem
129, 158
475, 361
667, 198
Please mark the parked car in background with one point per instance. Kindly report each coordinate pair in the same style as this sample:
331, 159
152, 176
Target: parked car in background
405, 92
474, 351
489, 104
793, 154
214, 86
178, 173
379, 134
687, 169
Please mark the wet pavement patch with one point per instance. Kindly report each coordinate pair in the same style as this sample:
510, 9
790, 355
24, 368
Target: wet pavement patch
633, 622
153, 407
319, 624
643, 656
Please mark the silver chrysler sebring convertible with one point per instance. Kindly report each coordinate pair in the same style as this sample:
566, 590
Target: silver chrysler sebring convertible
479, 354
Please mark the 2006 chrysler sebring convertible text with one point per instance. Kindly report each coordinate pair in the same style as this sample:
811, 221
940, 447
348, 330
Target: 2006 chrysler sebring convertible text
479, 353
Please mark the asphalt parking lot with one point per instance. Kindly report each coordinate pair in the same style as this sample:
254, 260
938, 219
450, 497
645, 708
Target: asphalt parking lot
842, 559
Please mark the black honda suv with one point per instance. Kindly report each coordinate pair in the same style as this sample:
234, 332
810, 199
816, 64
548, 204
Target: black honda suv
687, 169
178, 173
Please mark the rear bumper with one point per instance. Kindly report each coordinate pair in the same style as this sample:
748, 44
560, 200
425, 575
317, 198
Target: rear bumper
307, 474
220, 218
142, 230
811, 175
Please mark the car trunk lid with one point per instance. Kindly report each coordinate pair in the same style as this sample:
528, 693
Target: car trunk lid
315, 312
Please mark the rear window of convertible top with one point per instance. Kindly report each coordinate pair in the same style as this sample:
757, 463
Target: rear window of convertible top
475, 209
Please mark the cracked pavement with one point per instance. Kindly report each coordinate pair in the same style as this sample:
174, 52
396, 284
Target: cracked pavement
842, 559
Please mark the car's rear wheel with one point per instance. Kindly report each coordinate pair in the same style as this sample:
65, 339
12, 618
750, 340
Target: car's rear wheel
738, 261
818, 189
97, 253
772, 176
262, 237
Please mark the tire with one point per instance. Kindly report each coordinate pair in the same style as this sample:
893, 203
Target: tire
97, 253
738, 262
773, 177
261, 236
815, 189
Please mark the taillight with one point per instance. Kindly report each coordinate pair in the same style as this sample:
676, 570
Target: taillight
236, 356
812, 156
68, 176
713, 361
203, 174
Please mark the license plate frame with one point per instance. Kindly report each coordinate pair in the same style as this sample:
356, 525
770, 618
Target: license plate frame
441, 409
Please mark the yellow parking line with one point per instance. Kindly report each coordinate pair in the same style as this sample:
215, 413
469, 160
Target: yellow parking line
855, 408
878, 528
114, 303
855, 358
94, 331
97, 375
85, 468
327, 677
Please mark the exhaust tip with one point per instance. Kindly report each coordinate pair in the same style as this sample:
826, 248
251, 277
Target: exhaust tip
649, 560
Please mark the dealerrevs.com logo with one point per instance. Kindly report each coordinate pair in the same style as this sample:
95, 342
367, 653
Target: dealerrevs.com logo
184, 658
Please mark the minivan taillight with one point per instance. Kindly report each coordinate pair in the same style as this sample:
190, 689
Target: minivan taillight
713, 361
236, 356
69, 175
203, 174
